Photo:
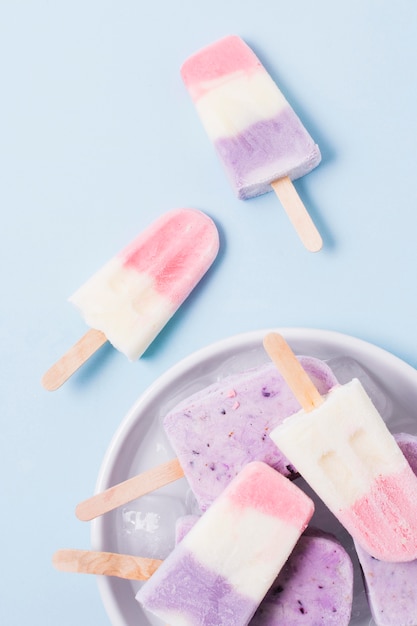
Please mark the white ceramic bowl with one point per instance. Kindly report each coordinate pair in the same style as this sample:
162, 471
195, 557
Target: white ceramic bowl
146, 527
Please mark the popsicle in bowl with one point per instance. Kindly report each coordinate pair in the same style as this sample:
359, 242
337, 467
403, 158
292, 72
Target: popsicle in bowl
131, 298
260, 140
215, 433
224, 566
344, 450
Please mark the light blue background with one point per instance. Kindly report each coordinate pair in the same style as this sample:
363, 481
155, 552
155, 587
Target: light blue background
98, 137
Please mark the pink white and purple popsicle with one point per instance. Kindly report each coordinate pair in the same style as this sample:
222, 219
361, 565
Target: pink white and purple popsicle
225, 565
134, 295
256, 133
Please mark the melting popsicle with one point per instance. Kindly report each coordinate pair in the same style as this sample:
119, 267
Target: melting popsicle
215, 433
223, 568
392, 587
131, 298
260, 140
344, 450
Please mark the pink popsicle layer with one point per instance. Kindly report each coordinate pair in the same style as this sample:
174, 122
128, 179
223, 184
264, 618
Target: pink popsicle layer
257, 135
217, 61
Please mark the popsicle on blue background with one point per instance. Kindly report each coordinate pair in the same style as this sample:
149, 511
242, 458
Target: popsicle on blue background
131, 298
215, 433
260, 140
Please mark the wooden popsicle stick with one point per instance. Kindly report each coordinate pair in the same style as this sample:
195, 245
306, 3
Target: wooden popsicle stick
298, 214
73, 359
105, 563
129, 490
292, 371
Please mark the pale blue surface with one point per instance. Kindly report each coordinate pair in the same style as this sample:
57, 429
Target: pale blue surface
97, 138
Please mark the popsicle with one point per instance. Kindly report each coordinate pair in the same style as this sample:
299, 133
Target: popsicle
344, 450
131, 298
314, 587
215, 433
392, 587
261, 142
223, 568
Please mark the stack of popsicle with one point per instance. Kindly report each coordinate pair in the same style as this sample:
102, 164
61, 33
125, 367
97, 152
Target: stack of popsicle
315, 586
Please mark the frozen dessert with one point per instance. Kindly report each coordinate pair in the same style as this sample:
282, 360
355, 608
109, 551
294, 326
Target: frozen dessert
222, 569
260, 140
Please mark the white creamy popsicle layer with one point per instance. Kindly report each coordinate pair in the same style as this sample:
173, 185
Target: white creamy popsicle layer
223, 568
346, 453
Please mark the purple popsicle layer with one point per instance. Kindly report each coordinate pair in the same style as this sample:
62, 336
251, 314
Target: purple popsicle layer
265, 151
193, 580
314, 588
221, 428
392, 587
